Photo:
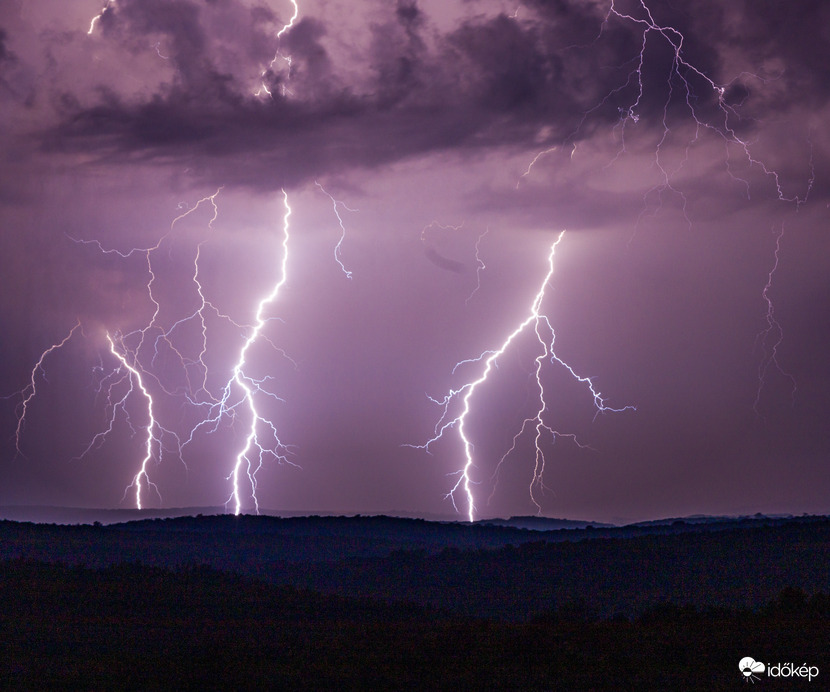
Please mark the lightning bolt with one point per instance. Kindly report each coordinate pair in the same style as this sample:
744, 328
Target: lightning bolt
249, 386
291, 21
263, 88
165, 336
152, 428
681, 81
129, 357
243, 391
338, 249
30, 390
769, 339
251, 456
109, 4
239, 393
239, 396
128, 371
445, 262
685, 81
480, 265
545, 335
536, 158
683, 71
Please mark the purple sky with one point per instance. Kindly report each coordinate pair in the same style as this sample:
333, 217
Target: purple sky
675, 175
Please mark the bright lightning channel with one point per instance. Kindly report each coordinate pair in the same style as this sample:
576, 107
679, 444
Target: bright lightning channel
153, 431
151, 428
109, 4
291, 21
250, 385
241, 391
251, 456
467, 391
129, 357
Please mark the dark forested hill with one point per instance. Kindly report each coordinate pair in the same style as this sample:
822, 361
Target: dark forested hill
377, 603
474, 569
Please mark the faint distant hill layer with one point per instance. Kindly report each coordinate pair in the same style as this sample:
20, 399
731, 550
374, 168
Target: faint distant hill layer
40, 514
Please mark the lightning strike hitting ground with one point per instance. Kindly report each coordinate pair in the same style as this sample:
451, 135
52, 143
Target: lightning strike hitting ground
130, 351
251, 456
239, 394
545, 335
250, 386
151, 428
119, 386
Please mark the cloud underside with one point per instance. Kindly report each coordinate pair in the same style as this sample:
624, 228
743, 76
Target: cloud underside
552, 76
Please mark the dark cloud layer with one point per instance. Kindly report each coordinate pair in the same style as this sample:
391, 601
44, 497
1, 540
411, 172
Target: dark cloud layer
557, 74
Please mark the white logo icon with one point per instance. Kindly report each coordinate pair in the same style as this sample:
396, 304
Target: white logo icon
750, 668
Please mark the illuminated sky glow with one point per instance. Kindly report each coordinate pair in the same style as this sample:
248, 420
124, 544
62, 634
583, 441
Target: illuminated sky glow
431, 153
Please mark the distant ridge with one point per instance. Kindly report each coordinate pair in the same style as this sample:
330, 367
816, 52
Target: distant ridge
533, 523
39, 514
81, 515
46, 514
713, 519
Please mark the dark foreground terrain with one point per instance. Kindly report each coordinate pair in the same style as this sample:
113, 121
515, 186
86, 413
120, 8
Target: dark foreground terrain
377, 603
